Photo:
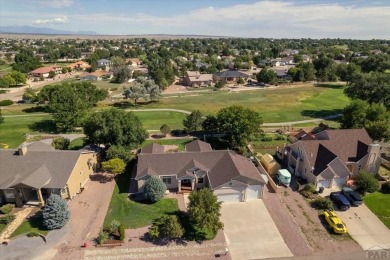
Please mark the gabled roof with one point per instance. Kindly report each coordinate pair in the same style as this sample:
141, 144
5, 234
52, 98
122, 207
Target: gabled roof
231, 74
198, 146
41, 166
45, 69
152, 148
221, 166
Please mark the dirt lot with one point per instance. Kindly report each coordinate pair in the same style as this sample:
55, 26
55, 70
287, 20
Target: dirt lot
306, 226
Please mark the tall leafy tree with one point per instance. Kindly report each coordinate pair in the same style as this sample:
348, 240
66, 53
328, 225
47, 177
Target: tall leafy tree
266, 76
114, 127
204, 212
115, 166
70, 102
193, 121
26, 61
142, 88
238, 123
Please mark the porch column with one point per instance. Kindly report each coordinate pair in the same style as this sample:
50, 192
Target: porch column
297, 166
193, 184
40, 198
18, 199
179, 186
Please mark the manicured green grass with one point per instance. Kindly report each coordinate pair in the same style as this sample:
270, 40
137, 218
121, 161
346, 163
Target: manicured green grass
31, 225
135, 214
154, 120
5, 68
179, 142
379, 203
13, 129
106, 84
2, 227
268, 146
330, 123
76, 144
275, 105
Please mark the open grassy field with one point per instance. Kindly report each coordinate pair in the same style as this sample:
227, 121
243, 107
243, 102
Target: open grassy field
275, 105
135, 214
378, 203
13, 129
154, 120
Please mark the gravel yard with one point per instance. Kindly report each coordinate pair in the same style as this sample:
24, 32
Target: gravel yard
303, 230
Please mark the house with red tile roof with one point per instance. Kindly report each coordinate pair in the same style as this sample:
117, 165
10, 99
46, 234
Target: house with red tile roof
230, 176
44, 71
329, 158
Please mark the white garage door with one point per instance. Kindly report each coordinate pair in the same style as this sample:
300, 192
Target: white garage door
339, 181
323, 183
253, 192
229, 197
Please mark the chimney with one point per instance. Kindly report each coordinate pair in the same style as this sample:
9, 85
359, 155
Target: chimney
22, 150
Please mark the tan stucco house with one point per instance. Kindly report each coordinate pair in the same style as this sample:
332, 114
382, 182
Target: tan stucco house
331, 157
31, 173
229, 175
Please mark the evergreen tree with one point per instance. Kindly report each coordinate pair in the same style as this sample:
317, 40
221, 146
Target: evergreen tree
55, 213
154, 189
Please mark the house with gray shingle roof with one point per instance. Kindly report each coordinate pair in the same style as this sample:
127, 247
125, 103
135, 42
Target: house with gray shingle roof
331, 157
229, 175
31, 173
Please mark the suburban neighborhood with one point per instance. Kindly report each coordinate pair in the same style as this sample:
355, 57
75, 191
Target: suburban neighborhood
136, 135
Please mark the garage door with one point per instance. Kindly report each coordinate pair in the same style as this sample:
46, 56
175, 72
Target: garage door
253, 192
229, 197
323, 183
340, 181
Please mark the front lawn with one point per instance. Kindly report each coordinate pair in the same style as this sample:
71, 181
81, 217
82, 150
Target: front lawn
2, 227
135, 214
379, 203
31, 225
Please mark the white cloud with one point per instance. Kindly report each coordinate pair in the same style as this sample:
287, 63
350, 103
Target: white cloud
261, 19
57, 20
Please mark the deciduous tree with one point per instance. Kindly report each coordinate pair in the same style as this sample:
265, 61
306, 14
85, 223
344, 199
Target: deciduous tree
193, 121
115, 166
166, 227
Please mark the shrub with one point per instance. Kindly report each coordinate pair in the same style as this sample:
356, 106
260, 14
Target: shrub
115, 166
366, 182
307, 194
56, 213
166, 227
8, 218
280, 137
310, 187
154, 189
165, 129
103, 236
385, 187
61, 143
33, 234
118, 151
113, 226
122, 233
6, 102
266, 138
7, 208
220, 84
322, 204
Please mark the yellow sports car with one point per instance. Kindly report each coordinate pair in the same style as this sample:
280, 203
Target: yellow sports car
335, 223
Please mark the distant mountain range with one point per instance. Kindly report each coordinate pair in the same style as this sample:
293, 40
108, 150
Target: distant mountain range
40, 30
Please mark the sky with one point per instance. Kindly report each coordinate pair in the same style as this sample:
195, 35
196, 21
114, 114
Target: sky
356, 19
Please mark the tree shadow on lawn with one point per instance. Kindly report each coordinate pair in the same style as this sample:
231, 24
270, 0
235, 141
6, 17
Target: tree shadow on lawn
37, 109
123, 180
128, 104
44, 126
329, 85
321, 113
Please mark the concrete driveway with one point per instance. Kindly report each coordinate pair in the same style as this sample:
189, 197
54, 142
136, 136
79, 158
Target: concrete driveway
250, 231
367, 230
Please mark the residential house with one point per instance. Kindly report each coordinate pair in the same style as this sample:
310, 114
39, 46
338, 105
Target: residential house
332, 156
44, 71
104, 63
281, 73
31, 173
287, 60
230, 76
96, 75
134, 62
80, 65
196, 79
230, 176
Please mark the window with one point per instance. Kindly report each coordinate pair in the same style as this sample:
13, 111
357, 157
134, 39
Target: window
200, 180
166, 180
9, 194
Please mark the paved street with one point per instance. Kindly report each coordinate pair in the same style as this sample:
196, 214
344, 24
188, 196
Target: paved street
250, 231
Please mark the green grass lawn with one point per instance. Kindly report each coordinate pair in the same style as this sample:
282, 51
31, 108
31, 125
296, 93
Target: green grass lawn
268, 146
379, 203
5, 68
13, 129
154, 120
2, 227
76, 144
31, 225
179, 142
135, 214
274, 105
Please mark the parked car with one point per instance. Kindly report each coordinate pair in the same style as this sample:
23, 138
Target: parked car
335, 222
352, 196
341, 202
